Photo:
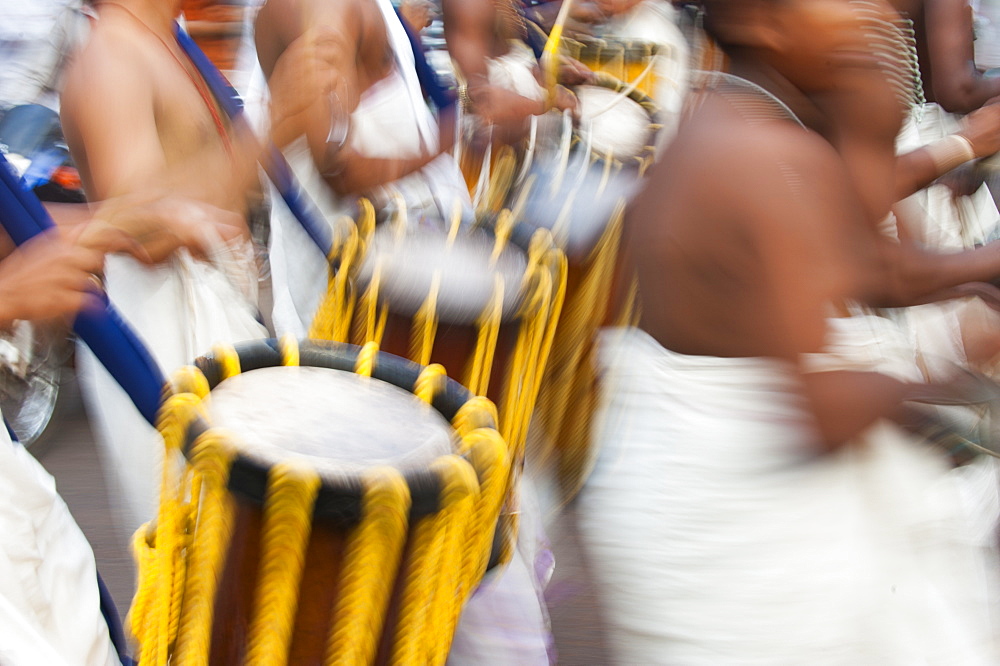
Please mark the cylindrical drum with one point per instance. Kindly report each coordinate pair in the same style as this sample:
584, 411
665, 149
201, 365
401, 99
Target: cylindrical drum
321, 504
470, 299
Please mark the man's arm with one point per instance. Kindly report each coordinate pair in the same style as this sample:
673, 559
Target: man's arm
958, 86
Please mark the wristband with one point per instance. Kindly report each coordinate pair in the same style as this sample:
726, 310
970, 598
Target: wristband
950, 152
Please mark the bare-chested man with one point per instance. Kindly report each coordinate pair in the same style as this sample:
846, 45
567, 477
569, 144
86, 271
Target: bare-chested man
736, 515
140, 121
373, 136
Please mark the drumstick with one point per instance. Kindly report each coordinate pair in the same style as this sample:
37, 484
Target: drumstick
550, 54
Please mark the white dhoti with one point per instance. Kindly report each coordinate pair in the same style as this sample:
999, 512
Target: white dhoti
49, 601
179, 310
718, 536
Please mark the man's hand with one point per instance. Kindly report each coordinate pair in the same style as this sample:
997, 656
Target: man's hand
982, 129
49, 276
152, 228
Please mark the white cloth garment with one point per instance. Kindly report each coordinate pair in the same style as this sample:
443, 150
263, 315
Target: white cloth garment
49, 601
948, 223
179, 310
391, 121
719, 537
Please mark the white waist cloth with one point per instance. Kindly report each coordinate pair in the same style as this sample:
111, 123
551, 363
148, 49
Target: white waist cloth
949, 223
179, 310
49, 601
719, 537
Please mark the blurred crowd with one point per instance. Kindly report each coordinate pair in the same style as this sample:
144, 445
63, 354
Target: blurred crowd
768, 393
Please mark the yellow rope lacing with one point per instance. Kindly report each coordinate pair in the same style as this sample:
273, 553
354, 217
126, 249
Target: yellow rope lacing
288, 510
430, 382
563, 402
365, 363
373, 548
425, 324
228, 360
211, 457
289, 350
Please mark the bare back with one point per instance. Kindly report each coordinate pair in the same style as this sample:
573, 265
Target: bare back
743, 236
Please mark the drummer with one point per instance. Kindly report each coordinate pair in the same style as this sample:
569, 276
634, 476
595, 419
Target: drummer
50, 600
372, 136
139, 118
736, 515
501, 76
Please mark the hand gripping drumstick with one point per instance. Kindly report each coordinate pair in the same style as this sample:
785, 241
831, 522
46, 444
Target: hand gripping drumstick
115, 345
550, 54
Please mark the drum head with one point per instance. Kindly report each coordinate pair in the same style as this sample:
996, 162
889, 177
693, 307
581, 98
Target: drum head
613, 123
409, 263
335, 422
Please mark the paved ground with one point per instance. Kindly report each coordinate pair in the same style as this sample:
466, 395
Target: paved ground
71, 457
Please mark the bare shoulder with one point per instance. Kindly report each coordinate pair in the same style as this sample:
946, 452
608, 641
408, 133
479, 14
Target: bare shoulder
747, 162
115, 60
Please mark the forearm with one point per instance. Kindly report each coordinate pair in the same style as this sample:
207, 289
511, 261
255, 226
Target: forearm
967, 92
915, 275
846, 403
354, 174
919, 168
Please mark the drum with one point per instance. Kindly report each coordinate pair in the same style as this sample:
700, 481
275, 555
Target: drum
632, 62
579, 194
320, 504
471, 299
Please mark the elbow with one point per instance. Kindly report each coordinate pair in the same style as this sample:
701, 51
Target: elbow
341, 184
958, 96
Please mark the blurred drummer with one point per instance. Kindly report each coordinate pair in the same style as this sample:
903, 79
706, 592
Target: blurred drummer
51, 603
372, 136
49, 597
737, 514
501, 79
140, 120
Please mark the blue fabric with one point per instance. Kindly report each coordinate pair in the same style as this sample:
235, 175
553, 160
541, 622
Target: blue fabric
277, 169
105, 332
441, 97
111, 616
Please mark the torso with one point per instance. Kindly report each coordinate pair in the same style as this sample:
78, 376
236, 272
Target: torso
703, 258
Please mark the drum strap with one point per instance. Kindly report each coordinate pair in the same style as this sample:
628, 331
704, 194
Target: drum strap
441, 97
277, 169
115, 344
110, 612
